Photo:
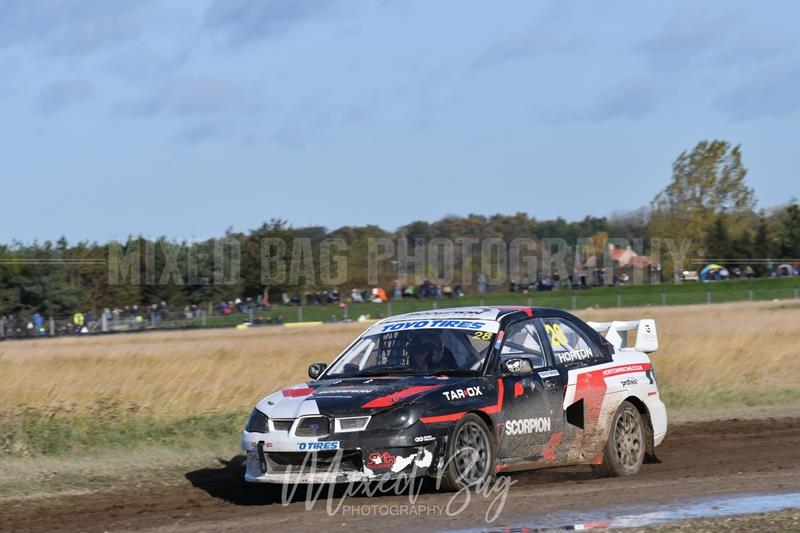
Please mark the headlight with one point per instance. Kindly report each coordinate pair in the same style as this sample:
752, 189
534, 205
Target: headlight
396, 418
257, 423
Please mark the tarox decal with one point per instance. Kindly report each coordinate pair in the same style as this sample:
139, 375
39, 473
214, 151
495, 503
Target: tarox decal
458, 394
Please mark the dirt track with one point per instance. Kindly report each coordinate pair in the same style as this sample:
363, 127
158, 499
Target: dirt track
699, 459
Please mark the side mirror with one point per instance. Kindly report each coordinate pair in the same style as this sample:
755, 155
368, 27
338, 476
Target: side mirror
316, 370
517, 366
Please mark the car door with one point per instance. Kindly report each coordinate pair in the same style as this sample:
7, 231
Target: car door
532, 414
574, 355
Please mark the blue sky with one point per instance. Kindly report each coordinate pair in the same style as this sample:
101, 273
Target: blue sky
186, 118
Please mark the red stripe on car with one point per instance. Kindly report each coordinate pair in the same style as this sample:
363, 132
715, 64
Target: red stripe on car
591, 386
549, 453
391, 399
492, 409
305, 391
441, 418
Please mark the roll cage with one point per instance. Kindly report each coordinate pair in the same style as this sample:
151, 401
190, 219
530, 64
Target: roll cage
538, 314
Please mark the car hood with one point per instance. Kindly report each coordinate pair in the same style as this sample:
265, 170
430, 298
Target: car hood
352, 396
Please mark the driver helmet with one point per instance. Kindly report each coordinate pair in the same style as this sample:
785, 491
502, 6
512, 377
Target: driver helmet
425, 348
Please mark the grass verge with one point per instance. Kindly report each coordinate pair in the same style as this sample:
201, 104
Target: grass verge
45, 454
33, 433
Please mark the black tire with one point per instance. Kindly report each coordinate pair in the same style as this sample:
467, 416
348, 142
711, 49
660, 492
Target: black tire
470, 455
623, 454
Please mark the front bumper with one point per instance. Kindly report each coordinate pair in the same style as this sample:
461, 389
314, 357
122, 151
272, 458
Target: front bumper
361, 456
341, 466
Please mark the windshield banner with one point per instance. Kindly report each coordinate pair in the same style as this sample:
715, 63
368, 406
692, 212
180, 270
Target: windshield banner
404, 325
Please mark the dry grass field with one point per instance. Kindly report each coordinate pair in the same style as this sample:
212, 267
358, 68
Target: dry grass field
708, 353
164, 374
727, 354
79, 393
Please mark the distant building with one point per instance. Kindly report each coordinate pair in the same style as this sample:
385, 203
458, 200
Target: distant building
623, 257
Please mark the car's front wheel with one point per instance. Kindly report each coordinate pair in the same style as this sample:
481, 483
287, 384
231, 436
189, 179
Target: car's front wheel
625, 447
470, 458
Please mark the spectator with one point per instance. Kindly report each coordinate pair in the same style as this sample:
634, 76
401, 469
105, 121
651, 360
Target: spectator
425, 289
38, 324
37, 319
79, 320
398, 291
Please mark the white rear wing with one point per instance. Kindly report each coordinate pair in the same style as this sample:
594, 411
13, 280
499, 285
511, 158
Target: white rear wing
646, 335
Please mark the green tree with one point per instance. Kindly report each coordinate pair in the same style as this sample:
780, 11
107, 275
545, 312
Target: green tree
630, 224
789, 232
42, 281
707, 188
718, 242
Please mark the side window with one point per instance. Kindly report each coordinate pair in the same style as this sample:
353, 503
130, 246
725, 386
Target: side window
569, 344
522, 340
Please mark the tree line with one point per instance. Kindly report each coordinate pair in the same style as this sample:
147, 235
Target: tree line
707, 203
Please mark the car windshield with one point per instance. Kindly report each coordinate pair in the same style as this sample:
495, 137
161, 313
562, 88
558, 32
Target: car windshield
420, 351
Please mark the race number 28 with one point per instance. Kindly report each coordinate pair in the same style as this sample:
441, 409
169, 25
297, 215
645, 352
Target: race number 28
556, 335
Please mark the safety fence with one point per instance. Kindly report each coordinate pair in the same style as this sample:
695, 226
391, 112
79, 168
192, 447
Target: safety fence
208, 317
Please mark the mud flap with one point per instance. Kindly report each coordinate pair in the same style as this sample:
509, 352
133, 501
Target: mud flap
649, 449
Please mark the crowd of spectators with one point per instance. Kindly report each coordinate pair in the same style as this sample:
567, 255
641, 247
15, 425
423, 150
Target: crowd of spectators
138, 317
330, 296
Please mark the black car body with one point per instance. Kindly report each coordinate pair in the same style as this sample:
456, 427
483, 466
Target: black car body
437, 393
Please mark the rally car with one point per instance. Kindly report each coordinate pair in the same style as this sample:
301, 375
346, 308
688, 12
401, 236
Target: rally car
462, 394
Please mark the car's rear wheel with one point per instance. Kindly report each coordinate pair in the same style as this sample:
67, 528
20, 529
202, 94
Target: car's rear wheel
470, 458
625, 447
